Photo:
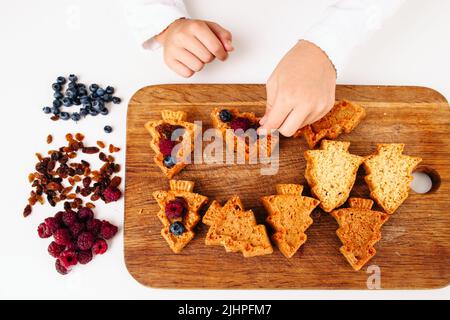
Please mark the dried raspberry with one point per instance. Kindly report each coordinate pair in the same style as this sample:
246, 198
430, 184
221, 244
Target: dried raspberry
107, 230
69, 218
62, 236
112, 194
60, 268
76, 228
52, 224
166, 129
43, 231
58, 217
166, 146
85, 256
85, 240
176, 208
240, 123
85, 214
68, 258
93, 226
100, 246
55, 249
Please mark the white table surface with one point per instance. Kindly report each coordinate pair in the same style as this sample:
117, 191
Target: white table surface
43, 39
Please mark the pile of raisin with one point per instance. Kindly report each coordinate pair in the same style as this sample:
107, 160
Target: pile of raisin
58, 177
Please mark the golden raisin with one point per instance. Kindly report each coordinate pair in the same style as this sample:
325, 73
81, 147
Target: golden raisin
69, 137
79, 136
101, 144
31, 177
49, 139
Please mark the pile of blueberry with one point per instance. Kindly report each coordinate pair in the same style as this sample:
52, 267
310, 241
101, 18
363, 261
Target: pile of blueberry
92, 100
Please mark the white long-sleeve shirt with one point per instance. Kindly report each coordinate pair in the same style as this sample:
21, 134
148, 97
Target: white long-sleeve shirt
345, 25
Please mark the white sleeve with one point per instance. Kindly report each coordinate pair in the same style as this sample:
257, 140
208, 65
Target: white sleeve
148, 18
347, 24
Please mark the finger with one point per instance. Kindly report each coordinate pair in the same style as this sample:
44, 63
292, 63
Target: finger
316, 116
179, 68
276, 115
199, 50
212, 43
310, 119
223, 34
270, 94
293, 122
188, 59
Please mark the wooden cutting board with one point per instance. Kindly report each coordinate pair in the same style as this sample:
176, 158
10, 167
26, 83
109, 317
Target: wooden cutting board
414, 252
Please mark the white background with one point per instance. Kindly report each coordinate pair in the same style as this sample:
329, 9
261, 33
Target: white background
43, 39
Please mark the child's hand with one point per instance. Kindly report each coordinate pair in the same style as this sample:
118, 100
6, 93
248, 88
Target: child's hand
190, 44
300, 90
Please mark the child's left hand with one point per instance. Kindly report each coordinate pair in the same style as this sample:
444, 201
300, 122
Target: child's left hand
301, 89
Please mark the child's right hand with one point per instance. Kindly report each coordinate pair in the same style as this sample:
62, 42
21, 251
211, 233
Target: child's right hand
190, 44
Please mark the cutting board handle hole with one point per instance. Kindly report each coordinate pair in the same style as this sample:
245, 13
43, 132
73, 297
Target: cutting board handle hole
426, 180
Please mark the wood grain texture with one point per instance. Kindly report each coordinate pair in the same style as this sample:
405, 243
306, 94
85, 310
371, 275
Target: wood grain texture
414, 251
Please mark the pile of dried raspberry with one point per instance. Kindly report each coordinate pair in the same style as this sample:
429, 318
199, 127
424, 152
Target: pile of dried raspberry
77, 236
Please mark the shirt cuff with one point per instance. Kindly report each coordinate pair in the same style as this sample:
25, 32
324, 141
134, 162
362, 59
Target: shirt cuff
330, 45
149, 21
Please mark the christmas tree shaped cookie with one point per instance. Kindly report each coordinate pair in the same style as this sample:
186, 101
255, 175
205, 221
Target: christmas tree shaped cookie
236, 229
170, 132
234, 124
359, 230
289, 215
179, 213
342, 118
331, 173
389, 175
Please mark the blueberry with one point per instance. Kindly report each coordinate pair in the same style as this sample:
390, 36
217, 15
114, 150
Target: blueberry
61, 80
107, 97
93, 112
75, 116
84, 112
86, 103
64, 116
169, 162
98, 105
108, 129
81, 86
73, 78
100, 92
56, 86
93, 87
82, 92
225, 115
67, 102
109, 90
57, 103
71, 93
85, 98
47, 110
116, 100
76, 101
57, 95
72, 85
104, 111
177, 228
55, 111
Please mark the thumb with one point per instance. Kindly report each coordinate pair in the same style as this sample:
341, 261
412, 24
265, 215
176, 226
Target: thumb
224, 35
